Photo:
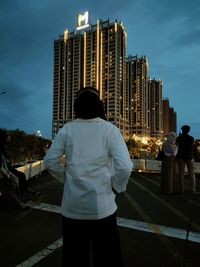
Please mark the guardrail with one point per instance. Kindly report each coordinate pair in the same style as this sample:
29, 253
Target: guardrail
32, 169
155, 165
141, 165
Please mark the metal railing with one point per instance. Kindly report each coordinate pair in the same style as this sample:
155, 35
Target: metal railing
155, 165
32, 169
143, 165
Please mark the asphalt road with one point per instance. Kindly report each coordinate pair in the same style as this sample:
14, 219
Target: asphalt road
156, 230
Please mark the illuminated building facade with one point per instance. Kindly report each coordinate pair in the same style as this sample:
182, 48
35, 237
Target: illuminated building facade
137, 87
155, 108
169, 118
91, 56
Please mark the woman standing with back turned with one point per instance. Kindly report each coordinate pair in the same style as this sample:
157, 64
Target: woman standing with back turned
98, 166
169, 179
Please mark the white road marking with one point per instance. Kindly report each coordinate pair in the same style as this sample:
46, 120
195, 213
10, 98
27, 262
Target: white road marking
167, 205
182, 196
134, 224
41, 254
45, 207
166, 230
123, 222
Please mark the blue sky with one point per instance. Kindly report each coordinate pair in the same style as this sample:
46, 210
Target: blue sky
166, 31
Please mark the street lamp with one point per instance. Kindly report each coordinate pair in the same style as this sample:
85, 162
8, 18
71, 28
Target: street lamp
38, 133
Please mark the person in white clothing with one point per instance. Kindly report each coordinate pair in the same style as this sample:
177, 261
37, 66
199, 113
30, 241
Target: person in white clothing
98, 166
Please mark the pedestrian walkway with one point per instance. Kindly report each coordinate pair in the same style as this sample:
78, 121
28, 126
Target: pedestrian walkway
156, 230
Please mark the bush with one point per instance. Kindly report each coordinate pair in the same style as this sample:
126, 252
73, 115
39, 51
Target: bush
23, 147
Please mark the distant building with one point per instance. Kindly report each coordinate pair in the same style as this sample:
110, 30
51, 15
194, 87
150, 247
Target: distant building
169, 118
173, 120
155, 111
91, 56
137, 87
95, 55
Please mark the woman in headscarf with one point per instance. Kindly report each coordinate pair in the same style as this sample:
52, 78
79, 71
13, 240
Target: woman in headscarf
169, 180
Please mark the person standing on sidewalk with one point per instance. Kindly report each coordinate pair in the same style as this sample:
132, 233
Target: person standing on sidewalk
185, 157
98, 166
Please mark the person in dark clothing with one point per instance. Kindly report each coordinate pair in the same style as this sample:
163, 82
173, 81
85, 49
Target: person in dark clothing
9, 183
25, 190
169, 179
185, 156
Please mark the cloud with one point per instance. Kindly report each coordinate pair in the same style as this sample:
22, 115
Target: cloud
188, 39
166, 31
169, 10
26, 109
16, 97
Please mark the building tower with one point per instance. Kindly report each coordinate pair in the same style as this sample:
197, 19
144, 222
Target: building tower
155, 108
137, 87
169, 118
91, 56
173, 120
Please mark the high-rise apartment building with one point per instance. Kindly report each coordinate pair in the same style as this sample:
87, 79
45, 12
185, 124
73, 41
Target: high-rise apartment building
137, 87
155, 108
173, 120
93, 56
169, 118
166, 117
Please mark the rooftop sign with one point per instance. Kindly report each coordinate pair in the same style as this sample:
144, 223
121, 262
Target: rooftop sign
83, 21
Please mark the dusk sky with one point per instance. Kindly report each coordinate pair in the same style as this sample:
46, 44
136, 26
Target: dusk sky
166, 31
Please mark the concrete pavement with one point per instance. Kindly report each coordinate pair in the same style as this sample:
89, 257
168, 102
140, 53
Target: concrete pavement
156, 230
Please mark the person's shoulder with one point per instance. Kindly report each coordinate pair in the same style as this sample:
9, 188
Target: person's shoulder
109, 125
65, 128
69, 124
191, 138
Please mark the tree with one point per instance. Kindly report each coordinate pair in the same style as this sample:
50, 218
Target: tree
24, 146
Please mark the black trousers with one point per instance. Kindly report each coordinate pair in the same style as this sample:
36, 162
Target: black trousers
86, 241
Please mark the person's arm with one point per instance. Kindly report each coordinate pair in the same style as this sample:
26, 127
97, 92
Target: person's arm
52, 160
122, 163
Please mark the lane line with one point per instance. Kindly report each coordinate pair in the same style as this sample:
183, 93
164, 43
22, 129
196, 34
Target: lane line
45, 207
164, 203
164, 230
182, 196
134, 224
156, 230
160, 230
41, 254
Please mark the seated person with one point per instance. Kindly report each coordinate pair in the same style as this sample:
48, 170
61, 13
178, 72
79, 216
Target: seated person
24, 188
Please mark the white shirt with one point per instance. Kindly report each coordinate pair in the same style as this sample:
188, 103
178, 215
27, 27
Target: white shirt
97, 161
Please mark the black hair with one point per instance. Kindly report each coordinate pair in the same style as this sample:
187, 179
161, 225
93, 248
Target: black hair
88, 104
185, 129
